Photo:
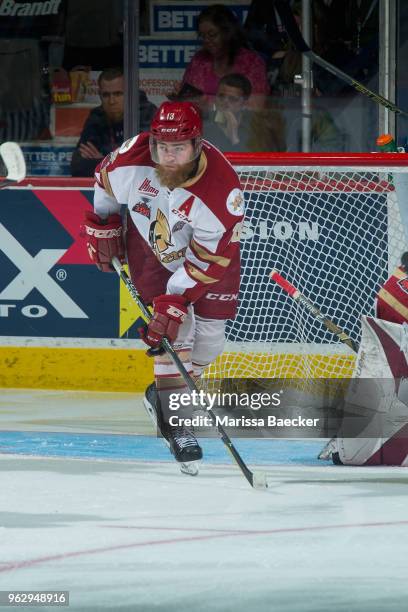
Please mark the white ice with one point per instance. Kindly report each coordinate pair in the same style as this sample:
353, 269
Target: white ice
139, 536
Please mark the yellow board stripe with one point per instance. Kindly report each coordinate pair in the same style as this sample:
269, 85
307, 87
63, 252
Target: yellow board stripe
75, 368
131, 370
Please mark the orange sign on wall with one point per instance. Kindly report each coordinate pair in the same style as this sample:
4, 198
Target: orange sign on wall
69, 120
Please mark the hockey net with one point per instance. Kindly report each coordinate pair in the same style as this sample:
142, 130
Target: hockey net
331, 224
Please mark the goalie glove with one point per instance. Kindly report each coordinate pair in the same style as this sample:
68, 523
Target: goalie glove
169, 311
104, 240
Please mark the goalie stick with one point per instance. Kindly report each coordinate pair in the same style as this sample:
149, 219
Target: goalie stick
304, 301
293, 31
257, 480
13, 159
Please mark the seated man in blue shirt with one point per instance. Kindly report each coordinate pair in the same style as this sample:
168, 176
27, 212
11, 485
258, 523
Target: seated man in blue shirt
103, 130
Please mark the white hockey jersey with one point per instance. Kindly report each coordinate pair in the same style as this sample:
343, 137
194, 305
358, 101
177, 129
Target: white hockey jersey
193, 229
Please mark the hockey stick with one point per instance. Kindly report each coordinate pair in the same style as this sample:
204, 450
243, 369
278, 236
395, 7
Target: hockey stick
13, 158
302, 299
257, 480
292, 29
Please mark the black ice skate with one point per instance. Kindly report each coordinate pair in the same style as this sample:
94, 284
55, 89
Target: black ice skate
184, 445
181, 442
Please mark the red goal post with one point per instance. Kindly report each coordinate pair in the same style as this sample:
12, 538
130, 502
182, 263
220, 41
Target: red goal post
331, 224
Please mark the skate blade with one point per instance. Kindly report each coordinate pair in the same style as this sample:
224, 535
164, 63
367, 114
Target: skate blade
327, 451
324, 455
191, 468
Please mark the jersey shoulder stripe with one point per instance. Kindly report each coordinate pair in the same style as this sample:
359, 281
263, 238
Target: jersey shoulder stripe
217, 185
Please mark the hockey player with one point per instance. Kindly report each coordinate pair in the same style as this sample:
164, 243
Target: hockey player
184, 214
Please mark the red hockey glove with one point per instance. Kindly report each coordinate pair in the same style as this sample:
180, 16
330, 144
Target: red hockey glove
104, 239
168, 314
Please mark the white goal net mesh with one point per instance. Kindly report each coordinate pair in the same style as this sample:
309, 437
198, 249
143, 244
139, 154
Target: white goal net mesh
335, 233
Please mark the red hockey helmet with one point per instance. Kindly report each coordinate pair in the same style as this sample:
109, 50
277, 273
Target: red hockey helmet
175, 122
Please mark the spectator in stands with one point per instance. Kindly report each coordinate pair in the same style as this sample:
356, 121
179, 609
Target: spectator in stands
103, 130
225, 50
229, 123
231, 126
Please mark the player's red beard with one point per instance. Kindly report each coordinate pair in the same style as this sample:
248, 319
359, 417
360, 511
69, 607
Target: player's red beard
174, 177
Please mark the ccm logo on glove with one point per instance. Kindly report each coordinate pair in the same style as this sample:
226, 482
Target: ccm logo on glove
169, 311
104, 239
176, 313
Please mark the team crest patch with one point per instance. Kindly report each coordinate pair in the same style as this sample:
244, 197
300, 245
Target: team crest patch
178, 226
403, 284
235, 203
128, 144
160, 234
142, 208
146, 187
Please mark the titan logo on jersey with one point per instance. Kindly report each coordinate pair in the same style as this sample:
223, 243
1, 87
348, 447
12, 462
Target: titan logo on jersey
184, 210
174, 255
146, 187
160, 240
142, 207
160, 234
403, 283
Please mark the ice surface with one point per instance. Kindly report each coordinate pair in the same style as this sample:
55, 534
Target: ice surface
91, 504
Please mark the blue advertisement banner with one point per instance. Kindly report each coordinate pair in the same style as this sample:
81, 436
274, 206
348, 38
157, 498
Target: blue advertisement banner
181, 17
48, 159
168, 53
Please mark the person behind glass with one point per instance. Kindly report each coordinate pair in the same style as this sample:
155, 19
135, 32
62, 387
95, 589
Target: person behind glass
225, 50
234, 127
227, 126
103, 130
